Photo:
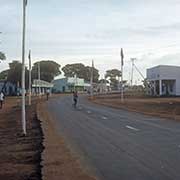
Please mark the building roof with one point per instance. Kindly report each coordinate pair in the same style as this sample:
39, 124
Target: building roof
163, 72
41, 83
164, 66
73, 81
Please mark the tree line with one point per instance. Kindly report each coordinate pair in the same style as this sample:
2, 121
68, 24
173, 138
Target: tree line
50, 69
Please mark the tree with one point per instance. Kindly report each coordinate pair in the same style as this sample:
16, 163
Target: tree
81, 71
48, 70
14, 73
78, 69
88, 74
4, 74
113, 74
2, 56
103, 81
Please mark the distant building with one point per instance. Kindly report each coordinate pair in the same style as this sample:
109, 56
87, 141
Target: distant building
8, 88
164, 80
69, 84
11, 89
40, 86
103, 87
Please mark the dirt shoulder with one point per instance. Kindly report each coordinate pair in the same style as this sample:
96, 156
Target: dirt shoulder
19, 156
161, 107
57, 160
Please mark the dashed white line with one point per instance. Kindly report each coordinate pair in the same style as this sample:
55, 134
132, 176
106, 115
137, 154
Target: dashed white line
104, 117
89, 112
132, 128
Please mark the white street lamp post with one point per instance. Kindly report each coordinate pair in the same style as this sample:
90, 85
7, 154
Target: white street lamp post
23, 69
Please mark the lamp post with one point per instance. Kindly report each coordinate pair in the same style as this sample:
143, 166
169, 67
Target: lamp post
23, 69
122, 64
29, 77
39, 78
132, 70
91, 79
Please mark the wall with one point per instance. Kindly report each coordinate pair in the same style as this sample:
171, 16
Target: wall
165, 73
9, 89
60, 85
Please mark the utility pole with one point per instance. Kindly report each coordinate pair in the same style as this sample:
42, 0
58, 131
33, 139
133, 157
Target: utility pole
91, 80
23, 69
75, 82
132, 70
39, 78
0, 33
122, 64
29, 77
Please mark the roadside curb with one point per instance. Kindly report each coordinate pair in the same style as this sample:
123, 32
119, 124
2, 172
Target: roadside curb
57, 160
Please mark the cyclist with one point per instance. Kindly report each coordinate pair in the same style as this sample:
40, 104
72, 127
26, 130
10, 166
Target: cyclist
75, 98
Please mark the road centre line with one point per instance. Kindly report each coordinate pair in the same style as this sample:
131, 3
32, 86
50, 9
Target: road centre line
104, 117
89, 112
132, 128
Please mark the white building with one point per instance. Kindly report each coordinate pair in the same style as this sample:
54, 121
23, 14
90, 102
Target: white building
103, 87
164, 80
41, 87
70, 84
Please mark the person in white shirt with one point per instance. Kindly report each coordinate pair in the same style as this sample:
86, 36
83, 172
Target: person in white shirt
1, 99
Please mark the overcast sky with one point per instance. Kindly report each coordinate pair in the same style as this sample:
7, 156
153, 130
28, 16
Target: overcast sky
70, 31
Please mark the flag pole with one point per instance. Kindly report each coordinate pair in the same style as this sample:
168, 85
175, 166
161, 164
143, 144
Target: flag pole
39, 78
91, 80
29, 77
122, 64
23, 69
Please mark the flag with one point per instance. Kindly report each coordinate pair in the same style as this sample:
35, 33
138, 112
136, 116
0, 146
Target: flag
25, 2
92, 63
92, 69
91, 79
122, 57
29, 56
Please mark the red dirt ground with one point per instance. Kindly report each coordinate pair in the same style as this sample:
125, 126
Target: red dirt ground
163, 107
19, 156
25, 158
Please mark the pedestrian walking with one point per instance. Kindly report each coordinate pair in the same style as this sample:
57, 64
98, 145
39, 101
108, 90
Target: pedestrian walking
47, 94
1, 99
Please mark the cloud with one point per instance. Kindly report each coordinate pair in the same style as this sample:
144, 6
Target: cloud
72, 31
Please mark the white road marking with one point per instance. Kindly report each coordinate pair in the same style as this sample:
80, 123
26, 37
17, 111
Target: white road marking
80, 108
104, 117
132, 128
89, 112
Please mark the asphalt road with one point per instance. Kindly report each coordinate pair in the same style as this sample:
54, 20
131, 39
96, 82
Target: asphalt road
118, 144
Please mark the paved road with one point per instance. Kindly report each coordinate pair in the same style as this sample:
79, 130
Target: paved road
118, 144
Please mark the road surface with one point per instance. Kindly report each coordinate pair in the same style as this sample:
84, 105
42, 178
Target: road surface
118, 144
